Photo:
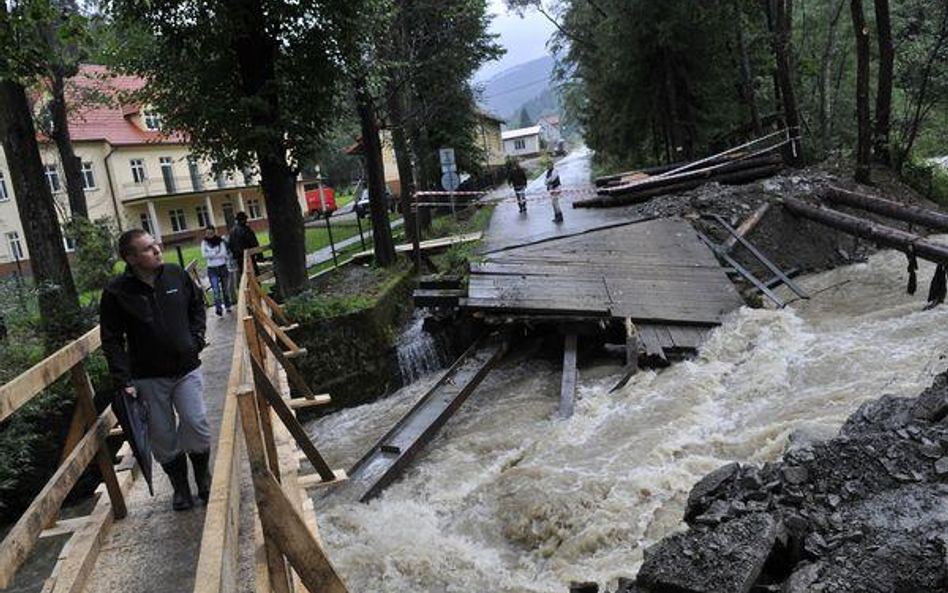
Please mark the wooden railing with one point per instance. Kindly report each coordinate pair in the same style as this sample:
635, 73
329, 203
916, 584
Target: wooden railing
291, 557
85, 442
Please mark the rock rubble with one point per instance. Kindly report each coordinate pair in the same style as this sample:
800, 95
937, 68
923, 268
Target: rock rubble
865, 511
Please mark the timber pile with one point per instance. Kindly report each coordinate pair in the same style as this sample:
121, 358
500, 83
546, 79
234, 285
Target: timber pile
644, 187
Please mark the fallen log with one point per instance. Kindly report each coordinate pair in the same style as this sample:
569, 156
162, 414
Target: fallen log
887, 208
734, 178
708, 172
616, 178
883, 235
746, 227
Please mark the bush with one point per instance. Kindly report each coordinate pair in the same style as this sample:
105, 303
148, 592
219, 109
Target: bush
927, 178
95, 252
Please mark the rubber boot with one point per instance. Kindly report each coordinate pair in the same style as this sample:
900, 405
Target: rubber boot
177, 471
202, 476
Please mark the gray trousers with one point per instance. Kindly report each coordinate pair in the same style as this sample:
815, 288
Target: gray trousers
177, 417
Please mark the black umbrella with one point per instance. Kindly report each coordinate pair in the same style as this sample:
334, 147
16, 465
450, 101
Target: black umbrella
133, 416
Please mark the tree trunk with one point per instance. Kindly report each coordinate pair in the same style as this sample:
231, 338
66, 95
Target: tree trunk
913, 214
375, 172
419, 146
72, 165
256, 59
884, 87
864, 144
833, 13
783, 49
58, 299
747, 77
402, 159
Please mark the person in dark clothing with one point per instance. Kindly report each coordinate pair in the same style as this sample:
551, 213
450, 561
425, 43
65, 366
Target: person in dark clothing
241, 239
517, 178
152, 323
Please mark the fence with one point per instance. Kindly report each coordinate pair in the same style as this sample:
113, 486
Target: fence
85, 442
291, 555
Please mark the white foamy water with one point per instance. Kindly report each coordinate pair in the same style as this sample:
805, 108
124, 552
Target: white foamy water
508, 498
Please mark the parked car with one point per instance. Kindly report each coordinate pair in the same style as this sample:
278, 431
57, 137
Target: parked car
362, 204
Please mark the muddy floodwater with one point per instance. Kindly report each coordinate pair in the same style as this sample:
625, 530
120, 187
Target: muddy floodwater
509, 498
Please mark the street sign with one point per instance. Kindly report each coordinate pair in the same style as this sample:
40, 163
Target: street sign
450, 181
447, 160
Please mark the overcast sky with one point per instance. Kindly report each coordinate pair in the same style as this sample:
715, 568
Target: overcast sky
524, 38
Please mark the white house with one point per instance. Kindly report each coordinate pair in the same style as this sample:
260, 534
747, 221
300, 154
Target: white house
522, 142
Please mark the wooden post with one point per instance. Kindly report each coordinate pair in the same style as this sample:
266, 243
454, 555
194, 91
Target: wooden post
568, 386
746, 227
259, 467
85, 402
633, 341
256, 353
20, 540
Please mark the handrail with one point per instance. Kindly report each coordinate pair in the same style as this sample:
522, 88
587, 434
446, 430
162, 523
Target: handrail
85, 442
217, 563
287, 538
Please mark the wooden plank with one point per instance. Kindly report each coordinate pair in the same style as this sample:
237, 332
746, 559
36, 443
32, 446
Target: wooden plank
282, 524
271, 325
568, 384
20, 540
309, 481
43, 374
437, 297
294, 376
85, 400
273, 397
302, 403
429, 245
64, 527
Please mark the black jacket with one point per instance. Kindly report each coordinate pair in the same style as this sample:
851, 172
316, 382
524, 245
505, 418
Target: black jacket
517, 178
152, 331
241, 239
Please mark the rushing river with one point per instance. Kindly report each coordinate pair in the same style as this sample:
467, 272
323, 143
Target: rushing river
508, 498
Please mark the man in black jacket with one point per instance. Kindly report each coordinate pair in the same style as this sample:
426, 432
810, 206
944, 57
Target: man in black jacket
241, 239
152, 321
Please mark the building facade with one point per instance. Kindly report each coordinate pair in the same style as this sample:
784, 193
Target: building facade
522, 142
136, 174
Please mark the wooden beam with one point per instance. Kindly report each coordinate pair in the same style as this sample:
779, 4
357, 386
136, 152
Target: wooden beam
271, 325
316, 481
302, 403
18, 543
257, 354
568, 385
85, 401
273, 397
43, 374
884, 235
292, 374
746, 227
887, 208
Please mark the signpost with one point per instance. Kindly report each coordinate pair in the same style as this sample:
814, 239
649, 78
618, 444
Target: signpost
449, 174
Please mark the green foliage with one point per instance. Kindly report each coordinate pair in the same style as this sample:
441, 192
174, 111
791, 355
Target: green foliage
524, 120
927, 178
95, 252
189, 51
310, 306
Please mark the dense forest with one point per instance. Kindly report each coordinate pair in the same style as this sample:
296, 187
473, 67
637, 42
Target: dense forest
664, 81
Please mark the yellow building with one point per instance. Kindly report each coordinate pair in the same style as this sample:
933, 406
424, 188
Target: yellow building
136, 174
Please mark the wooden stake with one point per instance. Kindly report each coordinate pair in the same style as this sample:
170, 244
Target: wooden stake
568, 386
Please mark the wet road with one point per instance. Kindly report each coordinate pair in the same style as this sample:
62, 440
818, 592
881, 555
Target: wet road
509, 227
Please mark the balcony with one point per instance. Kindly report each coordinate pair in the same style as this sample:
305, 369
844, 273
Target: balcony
170, 186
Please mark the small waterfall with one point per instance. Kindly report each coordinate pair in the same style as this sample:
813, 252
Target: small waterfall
419, 353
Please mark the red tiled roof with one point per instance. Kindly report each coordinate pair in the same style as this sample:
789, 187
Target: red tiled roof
111, 122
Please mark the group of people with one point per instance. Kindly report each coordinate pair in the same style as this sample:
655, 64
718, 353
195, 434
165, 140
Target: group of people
224, 257
152, 322
517, 178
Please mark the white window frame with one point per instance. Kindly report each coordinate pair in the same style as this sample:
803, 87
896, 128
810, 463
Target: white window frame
88, 175
520, 144
15, 244
178, 225
139, 173
68, 244
52, 178
151, 120
203, 216
254, 211
4, 194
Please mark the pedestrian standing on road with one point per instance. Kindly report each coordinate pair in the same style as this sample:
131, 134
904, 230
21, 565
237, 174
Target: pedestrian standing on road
243, 238
517, 178
152, 323
553, 186
215, 252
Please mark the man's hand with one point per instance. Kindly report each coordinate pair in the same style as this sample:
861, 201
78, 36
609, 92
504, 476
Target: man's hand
131, 391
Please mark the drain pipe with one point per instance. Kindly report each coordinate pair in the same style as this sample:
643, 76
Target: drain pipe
108, 176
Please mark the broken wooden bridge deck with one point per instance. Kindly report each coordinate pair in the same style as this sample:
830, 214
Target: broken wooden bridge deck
654, 272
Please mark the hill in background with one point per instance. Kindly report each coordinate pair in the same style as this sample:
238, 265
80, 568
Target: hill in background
525, 85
